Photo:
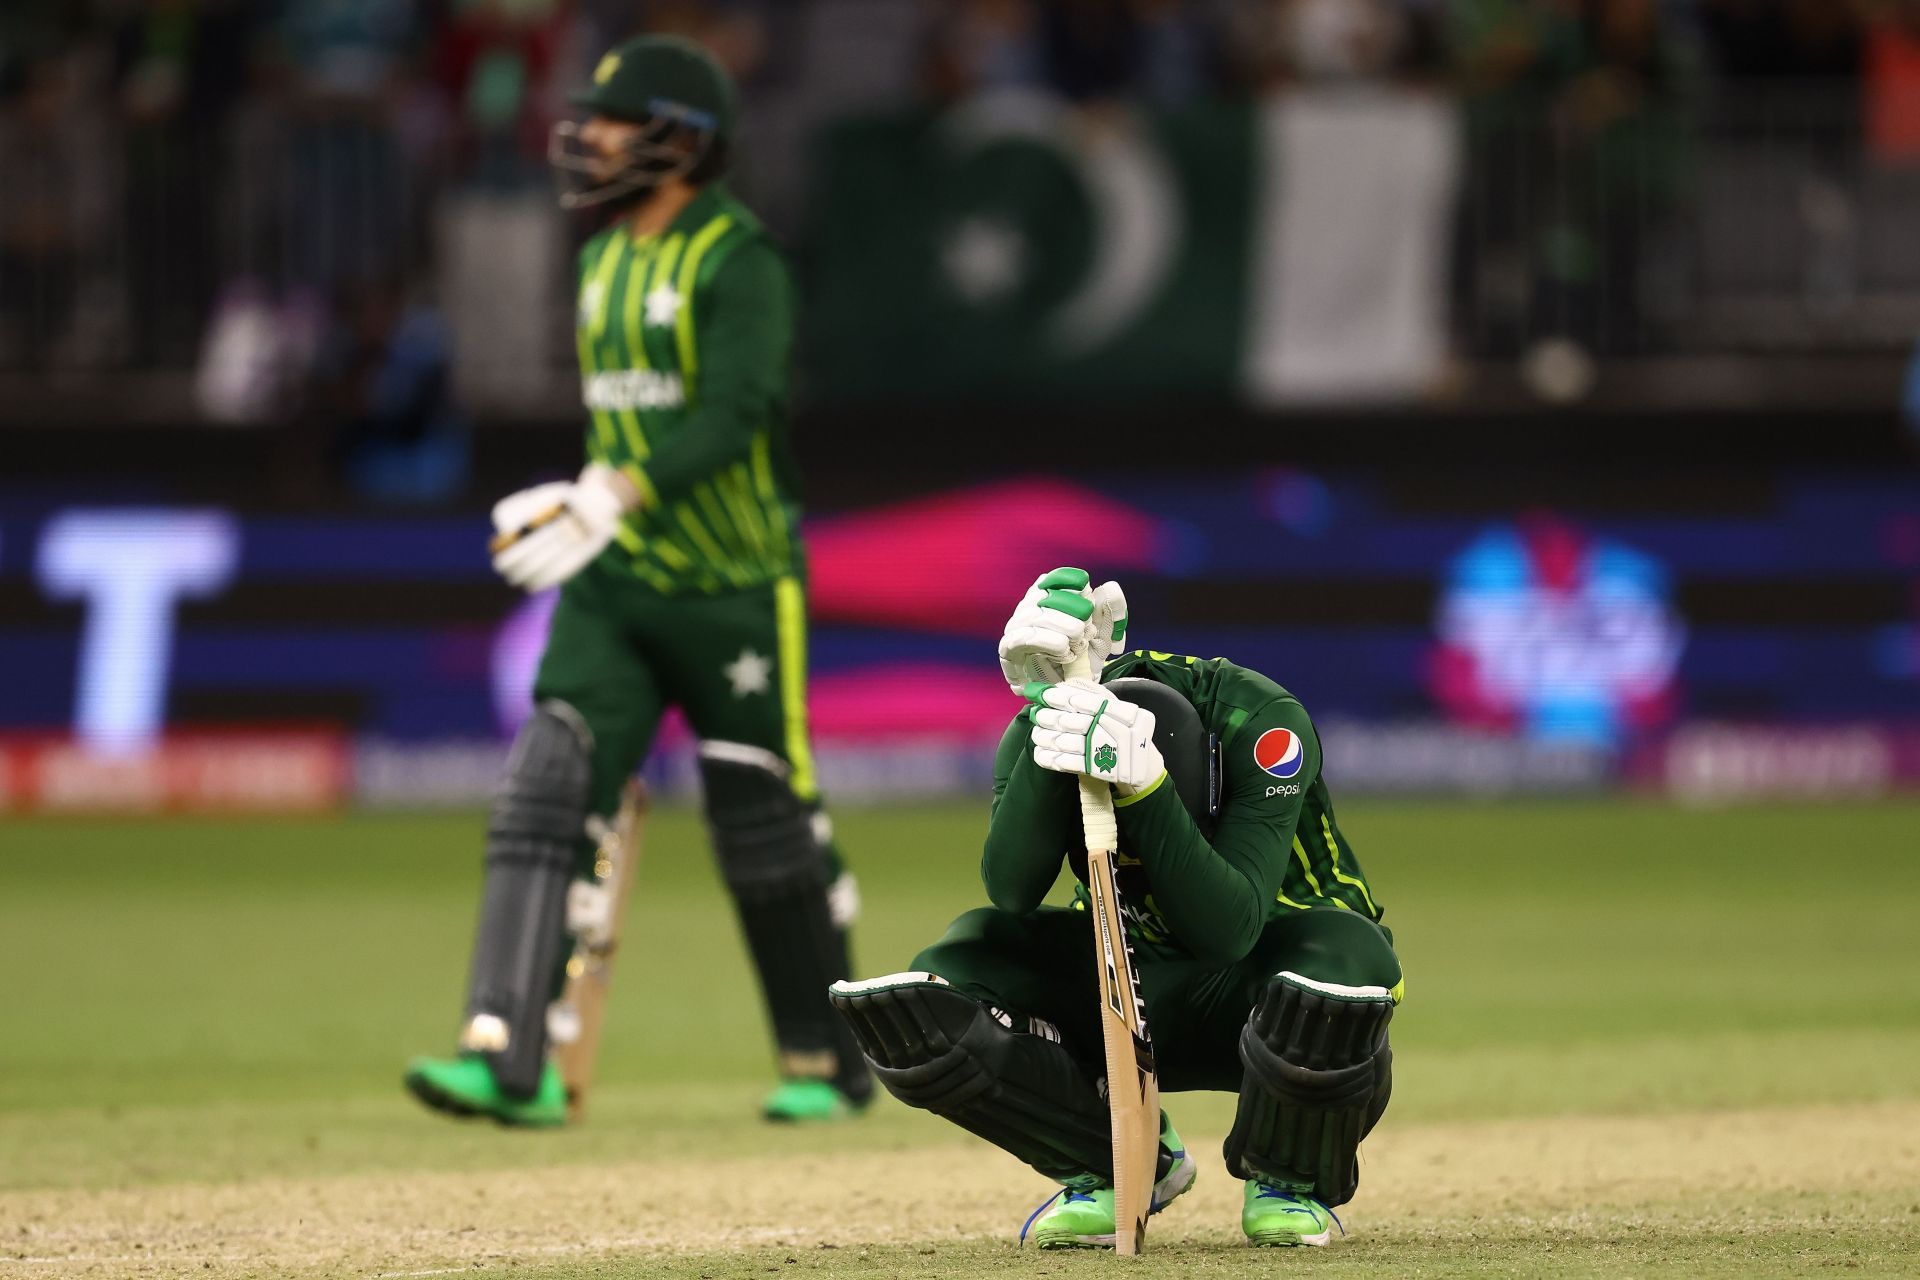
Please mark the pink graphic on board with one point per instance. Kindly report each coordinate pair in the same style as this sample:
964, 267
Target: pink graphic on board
947, 701
864, 708
958, 562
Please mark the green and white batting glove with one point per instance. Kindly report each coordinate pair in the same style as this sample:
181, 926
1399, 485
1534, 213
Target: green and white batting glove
546, 534
1107, 628
1059, 618
1079, 727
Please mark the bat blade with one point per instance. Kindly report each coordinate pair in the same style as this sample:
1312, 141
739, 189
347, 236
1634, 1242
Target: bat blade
590, 969
1133, 1088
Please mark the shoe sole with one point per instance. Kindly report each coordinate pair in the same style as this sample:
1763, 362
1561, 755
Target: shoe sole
453, 1104
838, 1114
439, 1099
1290, 1239
1070, 1241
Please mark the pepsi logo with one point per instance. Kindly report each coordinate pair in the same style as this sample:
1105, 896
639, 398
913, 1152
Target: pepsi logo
1279, 752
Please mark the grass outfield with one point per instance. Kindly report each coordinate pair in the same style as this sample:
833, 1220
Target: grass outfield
1633, 1036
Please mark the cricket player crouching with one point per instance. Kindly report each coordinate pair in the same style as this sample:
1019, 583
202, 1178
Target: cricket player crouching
1263, 964
682, 582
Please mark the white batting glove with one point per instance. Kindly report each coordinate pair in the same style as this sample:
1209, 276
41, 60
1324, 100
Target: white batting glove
1082, 728
1058, 619
546, 534
1107, 628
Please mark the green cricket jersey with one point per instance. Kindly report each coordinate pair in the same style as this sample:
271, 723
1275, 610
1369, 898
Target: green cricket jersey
1276, 847
684, 340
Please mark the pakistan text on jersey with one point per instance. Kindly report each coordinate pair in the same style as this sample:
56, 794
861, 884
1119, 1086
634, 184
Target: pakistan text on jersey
622, 390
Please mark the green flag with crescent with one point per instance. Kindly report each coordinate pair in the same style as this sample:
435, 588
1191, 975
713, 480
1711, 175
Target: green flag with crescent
1013, 240
1287, 249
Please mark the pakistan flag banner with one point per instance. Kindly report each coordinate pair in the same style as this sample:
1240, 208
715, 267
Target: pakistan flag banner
1282, 251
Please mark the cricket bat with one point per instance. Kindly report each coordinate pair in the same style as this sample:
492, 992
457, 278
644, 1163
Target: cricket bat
507, 537
590, 968
1133, 1088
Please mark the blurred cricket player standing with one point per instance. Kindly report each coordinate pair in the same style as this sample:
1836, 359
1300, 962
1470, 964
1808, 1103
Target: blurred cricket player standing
682, 583
1263, 966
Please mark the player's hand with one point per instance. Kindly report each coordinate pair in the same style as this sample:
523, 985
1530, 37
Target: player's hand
1059, 618
1079, 727
546, 534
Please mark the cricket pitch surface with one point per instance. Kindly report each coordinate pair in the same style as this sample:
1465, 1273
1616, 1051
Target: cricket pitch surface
1773, 1192
1636, 1038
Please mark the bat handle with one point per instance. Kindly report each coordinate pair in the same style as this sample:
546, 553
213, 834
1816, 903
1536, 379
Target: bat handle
1097, 822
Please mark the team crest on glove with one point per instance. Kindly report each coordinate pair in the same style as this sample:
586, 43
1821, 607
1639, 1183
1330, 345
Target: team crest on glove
1106, 758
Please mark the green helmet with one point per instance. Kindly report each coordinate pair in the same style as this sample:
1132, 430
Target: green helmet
1191, 754
671, 87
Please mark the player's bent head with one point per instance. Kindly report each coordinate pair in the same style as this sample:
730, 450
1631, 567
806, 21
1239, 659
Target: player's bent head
1186, 747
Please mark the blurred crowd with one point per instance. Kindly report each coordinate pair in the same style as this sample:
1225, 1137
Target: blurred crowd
170, 162
200, 141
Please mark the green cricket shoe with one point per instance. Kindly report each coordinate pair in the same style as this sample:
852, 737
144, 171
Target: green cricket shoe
1281, 1216
1080, 1216
465, 1086
809, 1102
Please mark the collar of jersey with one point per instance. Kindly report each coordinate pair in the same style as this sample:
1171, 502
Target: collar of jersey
699, 211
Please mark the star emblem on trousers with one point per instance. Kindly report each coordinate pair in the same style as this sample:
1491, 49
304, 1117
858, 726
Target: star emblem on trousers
749, 673
663, 304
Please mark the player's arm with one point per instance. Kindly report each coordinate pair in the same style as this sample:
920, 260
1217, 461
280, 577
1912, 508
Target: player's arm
1036, 811
1216, 896
1035, 822
743, 321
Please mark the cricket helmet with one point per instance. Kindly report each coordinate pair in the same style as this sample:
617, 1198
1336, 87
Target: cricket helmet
1191, 753
680, 97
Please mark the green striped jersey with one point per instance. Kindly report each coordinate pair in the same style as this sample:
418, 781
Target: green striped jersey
1186, 885
684, 340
